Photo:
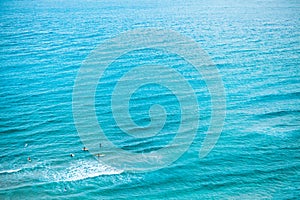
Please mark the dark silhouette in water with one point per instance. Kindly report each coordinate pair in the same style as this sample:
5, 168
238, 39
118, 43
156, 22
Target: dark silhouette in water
99, 155
85, 149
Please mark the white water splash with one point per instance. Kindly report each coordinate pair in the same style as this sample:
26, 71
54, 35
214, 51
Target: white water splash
10, 171
82, 169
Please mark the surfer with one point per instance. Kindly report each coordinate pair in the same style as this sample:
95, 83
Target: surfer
72, 155
29, 159
100, 155
84, 149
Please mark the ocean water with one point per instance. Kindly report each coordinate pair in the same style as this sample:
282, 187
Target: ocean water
255, 46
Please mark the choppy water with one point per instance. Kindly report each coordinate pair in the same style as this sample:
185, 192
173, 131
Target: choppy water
256, 47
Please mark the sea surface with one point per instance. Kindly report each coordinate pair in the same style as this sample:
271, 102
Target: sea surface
255, 45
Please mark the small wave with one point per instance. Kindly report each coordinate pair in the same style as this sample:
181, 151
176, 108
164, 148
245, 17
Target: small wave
10, 171
75, 171
280, 113
82, 170
275, 97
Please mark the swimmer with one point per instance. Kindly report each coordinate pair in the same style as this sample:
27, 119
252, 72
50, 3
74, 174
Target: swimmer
29, 159
100, 155
84, 149
72, 155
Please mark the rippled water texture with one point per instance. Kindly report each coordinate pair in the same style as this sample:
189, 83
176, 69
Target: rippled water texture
255, 46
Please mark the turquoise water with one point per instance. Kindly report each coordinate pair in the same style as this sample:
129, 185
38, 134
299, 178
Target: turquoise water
256, 47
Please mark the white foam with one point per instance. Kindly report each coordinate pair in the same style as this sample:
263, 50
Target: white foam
10, 171
40, 173
83, 169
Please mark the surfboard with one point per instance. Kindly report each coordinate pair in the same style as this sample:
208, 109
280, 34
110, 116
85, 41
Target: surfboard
99, 155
